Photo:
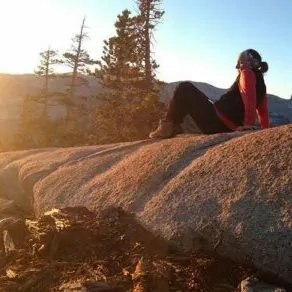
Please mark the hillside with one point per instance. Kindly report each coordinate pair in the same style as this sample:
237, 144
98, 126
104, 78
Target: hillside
14, 88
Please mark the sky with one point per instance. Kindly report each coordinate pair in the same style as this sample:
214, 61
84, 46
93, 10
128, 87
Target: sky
198, 40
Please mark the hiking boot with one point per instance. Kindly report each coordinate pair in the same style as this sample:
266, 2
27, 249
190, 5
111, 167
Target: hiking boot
164, 130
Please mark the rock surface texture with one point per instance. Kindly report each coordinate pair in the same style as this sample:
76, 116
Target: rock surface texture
229, 193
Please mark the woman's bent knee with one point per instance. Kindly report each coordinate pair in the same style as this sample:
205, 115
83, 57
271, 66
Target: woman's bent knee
185, 84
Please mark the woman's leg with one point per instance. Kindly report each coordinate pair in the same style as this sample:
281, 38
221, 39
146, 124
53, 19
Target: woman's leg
188, 99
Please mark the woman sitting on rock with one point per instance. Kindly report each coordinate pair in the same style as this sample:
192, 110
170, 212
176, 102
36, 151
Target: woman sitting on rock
234, 111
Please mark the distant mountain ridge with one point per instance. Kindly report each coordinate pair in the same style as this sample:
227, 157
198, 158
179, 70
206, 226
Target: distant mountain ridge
14, 88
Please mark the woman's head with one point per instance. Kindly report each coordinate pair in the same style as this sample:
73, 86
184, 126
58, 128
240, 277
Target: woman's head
251, 59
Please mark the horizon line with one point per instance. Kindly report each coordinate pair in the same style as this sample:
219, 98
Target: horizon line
169, 82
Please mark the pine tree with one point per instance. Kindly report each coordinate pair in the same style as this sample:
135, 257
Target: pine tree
126, 109
150, 14
78, 60
48, 59
119, 64
120, 76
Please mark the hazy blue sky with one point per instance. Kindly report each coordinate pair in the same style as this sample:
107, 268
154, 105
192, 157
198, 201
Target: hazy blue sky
198, 40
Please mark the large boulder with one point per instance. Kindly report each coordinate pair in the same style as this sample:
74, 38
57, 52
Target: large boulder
229, 193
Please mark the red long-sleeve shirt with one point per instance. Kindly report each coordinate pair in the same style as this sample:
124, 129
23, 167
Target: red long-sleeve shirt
247, 89
263, 113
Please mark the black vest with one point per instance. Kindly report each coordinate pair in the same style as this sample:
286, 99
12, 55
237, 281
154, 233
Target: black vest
231, 104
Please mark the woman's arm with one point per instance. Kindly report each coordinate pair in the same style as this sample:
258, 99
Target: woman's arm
263, 113
247, 87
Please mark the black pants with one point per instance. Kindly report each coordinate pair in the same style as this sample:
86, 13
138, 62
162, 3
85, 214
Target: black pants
188, 99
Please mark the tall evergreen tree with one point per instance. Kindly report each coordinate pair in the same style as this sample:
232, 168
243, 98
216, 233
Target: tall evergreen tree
119, 64
48, 59
124, 112
119, 74
78, 60
150, 15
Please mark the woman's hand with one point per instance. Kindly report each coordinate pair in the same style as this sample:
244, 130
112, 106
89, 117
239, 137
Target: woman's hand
246, 128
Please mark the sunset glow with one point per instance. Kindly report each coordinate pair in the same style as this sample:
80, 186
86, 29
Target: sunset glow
190, 43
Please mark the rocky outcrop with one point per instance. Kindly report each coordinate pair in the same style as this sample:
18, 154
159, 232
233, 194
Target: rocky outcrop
229, 193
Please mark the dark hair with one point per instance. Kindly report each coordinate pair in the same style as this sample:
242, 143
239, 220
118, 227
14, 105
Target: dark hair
264, 67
